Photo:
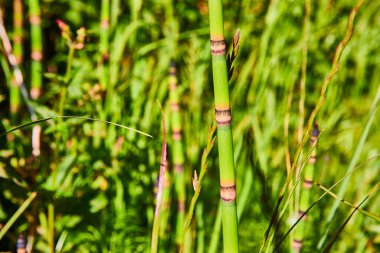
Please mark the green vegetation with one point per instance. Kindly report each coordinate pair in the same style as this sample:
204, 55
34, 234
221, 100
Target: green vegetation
85, 165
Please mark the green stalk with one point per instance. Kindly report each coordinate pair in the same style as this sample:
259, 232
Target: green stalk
215, 234
104, 42
223, 119
18, 21
51, 227
115, 10
36, 48
103, 67
200, 229
178, 155
308, 176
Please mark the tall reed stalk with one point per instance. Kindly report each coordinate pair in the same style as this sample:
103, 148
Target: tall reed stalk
178, 154
223, 119
308, 177
103, 66
36, 48
18, 22
104, 43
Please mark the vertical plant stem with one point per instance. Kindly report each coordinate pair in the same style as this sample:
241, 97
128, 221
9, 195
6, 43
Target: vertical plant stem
36, 65
103, 68
223, 119
115, 11
51, 227
104, 43
200, 229
215, 234
18, 22
36, 48
178, 155
308, 177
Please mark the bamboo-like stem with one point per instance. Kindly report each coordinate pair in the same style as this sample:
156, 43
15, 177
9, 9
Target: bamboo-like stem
223, 119
104, 43
51, 227
103, 67
18, 22
178, 154
36, 48
308, 176
115, 12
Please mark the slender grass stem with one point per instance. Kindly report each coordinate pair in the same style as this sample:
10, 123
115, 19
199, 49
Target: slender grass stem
308, 177
17, 214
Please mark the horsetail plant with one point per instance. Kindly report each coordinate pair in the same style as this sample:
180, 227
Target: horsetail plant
18, 22
308, 175
178, 154
36, 48
223, 119
103, 65
104, 43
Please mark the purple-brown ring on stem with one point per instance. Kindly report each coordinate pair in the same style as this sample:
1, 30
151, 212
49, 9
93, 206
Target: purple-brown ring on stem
218, 47
228, 193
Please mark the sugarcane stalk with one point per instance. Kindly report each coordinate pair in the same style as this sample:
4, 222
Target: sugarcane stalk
223, 118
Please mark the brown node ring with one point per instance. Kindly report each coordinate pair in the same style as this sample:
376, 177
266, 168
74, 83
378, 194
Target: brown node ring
297, 244
174, 106
218, 47
223, 117
178, 168
307, 183
228, 193
177, 135
172, 71
300, 213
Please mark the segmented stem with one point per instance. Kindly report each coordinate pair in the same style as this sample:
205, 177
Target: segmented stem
223, 119
36, 48
308, 176
178, 154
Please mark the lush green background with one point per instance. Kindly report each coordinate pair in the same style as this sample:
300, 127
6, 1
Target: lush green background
100, 178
